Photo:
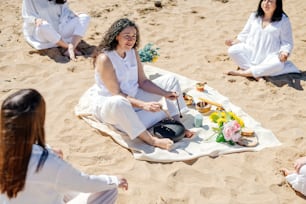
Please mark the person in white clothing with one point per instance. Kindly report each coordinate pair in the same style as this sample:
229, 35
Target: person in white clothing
31, 172
51, 23
297, 177
127, 99
265, 43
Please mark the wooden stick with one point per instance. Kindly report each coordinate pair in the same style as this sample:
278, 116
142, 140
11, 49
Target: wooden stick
178, 106
212, 103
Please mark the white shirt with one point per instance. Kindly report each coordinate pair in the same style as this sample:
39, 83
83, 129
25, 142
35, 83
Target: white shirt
54, 180
274, 38
56, 15
126, 72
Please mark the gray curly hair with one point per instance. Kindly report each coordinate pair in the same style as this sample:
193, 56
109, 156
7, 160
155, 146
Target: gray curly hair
109, 41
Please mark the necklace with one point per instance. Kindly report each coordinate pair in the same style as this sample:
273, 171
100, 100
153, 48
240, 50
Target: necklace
265, 23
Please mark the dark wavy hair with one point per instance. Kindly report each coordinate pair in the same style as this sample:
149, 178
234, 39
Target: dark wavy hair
109, 41
278, 13
21, 126
59, 1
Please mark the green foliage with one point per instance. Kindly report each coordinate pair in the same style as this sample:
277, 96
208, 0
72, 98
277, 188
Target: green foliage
148, 53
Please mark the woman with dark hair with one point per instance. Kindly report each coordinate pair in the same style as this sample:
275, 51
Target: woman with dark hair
127, 99
30, 172
51, 23
265, 43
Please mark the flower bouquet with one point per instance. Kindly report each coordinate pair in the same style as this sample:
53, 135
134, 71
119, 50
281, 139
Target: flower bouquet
229, 126
148, 53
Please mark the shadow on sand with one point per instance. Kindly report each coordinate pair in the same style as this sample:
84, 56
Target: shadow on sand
57, 53
292, 80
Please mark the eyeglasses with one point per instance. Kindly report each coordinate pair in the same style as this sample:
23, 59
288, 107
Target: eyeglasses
129, 37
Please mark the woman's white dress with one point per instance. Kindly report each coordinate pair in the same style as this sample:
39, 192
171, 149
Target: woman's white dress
260, 47
118, 111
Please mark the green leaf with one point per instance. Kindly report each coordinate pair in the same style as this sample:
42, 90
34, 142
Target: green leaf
231, 142
220, 138
216, 129
148, 53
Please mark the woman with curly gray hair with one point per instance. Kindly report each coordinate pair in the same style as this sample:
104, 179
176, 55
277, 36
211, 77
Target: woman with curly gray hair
127, 99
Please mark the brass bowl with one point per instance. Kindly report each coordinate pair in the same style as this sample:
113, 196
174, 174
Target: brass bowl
200, 86
203, 107
188, 99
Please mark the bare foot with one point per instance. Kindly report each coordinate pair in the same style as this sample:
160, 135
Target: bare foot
259, 79
236, 73
71, 52
188, 133
163, 143
286, 172
243, 73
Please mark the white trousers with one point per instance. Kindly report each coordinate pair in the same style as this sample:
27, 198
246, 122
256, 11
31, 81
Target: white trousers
118, 111
241, 55
105, 197
298, 181
77, 26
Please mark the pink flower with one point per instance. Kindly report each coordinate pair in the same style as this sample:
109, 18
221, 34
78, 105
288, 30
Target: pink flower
231, 131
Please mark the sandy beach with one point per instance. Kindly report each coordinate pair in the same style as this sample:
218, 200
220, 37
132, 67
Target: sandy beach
190, 35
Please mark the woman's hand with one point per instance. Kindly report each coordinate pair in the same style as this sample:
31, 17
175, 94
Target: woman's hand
38, 21
123, 183
229, 42
172, 95
58, 152
152, 106
299, 163
283, 56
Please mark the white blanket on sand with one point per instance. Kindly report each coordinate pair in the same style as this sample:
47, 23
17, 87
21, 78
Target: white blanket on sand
201, 144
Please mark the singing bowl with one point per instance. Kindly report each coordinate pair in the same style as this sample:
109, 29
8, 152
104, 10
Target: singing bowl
200, 86
188, 99
203, 107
